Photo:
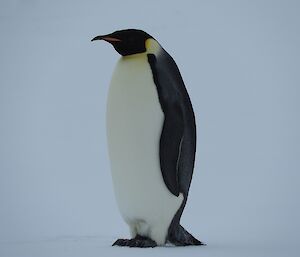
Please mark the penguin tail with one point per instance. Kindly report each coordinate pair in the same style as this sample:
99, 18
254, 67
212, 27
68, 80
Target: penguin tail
181, 237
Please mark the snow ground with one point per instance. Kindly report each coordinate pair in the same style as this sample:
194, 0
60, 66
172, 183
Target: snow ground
100, 246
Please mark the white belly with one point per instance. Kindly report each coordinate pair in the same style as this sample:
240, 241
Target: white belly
134, 124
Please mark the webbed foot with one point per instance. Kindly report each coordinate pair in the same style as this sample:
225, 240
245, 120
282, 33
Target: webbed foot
138, 241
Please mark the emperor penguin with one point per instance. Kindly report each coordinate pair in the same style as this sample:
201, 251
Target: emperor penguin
151, 134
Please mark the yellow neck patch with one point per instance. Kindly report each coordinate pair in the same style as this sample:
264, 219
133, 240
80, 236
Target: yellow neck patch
152, 46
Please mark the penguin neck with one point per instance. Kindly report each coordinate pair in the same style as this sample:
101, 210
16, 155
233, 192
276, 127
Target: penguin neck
152, 47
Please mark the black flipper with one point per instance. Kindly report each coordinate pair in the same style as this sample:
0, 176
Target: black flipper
173, 127
170, 144
178, 138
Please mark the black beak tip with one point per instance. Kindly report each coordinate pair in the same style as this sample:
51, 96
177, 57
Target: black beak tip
97, 38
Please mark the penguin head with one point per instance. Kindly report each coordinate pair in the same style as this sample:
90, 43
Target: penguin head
126, 42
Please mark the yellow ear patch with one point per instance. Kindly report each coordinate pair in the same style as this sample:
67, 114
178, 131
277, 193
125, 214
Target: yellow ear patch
152, 46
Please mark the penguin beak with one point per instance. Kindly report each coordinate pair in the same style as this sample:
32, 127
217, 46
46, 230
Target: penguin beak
107, 38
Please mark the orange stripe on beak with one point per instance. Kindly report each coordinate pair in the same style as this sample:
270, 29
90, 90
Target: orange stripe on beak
111, 39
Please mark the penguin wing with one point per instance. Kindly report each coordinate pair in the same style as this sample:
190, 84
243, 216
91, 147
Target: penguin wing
170, 88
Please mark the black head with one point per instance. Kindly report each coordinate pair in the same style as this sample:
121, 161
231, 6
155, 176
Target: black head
126, 42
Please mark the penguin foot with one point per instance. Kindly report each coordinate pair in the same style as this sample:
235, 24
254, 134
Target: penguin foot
138, 241
183, 238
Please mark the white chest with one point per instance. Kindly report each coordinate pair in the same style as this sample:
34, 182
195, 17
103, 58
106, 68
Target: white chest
134, 124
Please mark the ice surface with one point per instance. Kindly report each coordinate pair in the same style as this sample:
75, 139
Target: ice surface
100, 246
240, 61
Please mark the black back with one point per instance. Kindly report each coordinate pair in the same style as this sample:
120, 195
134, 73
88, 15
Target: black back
178, 138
